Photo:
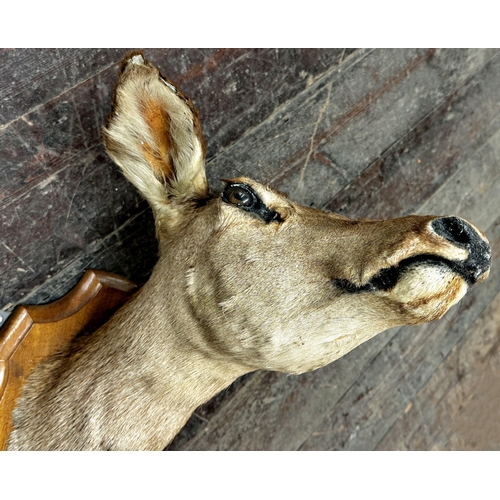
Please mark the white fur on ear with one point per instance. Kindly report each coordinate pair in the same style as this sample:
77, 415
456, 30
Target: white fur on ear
137, 59
154, 135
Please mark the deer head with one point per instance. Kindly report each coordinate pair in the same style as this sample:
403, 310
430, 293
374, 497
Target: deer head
271, 284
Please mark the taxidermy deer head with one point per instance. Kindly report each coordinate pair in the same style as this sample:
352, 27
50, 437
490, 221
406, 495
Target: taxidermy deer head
246, 280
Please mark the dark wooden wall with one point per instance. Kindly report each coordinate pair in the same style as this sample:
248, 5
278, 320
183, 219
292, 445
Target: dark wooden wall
367, 133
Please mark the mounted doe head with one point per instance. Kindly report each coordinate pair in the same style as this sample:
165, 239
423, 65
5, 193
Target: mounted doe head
263, 281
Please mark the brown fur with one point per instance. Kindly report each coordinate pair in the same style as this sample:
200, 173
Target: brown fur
231, 293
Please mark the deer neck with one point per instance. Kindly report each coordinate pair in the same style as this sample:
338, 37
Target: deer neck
182, 372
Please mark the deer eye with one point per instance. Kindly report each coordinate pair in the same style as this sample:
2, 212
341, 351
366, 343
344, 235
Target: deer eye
240, 195
244, 197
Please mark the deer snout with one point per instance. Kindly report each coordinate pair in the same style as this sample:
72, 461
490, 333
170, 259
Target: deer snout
463, 235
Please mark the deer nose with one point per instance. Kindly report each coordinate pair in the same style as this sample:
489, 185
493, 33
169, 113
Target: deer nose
462, 234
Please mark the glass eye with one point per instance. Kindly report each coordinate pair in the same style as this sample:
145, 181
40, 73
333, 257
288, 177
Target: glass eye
240, 196
244, 197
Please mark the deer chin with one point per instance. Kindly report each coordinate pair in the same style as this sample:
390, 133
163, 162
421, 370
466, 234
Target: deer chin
425, 292
422, 293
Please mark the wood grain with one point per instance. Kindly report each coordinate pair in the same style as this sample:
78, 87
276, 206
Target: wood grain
33, 333
349, 119
32, 77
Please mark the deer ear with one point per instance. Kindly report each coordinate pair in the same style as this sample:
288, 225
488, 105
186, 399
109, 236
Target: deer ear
154, 135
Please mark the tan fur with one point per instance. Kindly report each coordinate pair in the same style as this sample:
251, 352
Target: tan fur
230, 293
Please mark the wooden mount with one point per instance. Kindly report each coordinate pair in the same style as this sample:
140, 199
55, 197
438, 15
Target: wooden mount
32, 333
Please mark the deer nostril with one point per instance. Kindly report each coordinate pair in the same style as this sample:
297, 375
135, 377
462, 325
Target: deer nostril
461, 233
455, 230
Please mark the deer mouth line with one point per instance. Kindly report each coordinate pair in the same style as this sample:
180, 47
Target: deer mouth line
470, 270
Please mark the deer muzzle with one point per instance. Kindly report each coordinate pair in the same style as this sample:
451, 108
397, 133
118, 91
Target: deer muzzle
472, 266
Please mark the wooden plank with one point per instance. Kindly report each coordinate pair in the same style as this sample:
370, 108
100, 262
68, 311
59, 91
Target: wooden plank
347, 120
415, 167
458, 408
32, 77
60, 226
295, 405
131, 250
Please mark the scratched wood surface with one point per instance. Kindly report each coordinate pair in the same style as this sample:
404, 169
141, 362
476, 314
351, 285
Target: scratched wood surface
367, 133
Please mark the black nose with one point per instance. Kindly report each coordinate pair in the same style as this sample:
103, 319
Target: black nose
455, 230
462, 234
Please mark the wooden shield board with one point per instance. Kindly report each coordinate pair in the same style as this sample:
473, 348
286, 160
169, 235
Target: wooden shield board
32, 333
